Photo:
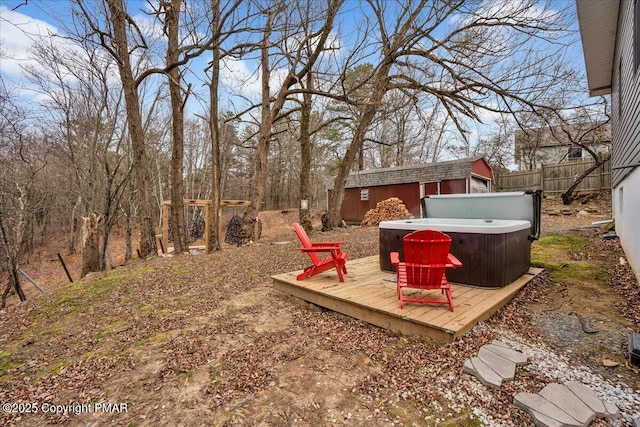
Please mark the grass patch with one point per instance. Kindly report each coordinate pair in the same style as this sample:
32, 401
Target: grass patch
57, 366
7, 363
180, 270
565, 241
466, 419
159, 337
552, 252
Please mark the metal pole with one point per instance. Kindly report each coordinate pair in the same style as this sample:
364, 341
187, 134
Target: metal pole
33, 282
65, 267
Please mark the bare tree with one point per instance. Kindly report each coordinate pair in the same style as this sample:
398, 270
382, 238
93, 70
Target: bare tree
586, 129
117, 42
305, 154
172, 11
298, 65
85, 122
582, 128
497, 146
20, 163
486, 56
215, 241
223, 25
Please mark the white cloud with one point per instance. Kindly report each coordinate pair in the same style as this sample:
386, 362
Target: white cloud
243, 77
17, 32
506, 12
236, 75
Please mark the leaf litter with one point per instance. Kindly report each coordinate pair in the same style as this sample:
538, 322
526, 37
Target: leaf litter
207, 340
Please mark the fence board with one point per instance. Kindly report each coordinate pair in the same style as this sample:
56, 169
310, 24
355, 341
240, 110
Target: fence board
555, 179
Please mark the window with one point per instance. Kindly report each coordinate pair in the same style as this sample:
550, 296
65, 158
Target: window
575, 153
479, 185
364, 194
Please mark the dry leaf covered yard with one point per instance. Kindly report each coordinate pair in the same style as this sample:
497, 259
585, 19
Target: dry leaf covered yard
207, 340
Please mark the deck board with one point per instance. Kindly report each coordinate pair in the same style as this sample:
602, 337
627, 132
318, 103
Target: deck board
366, 295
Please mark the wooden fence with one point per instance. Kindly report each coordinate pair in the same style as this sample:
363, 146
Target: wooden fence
555, 179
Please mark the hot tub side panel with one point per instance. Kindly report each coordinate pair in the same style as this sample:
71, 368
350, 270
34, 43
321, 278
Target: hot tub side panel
390, 240
488, 260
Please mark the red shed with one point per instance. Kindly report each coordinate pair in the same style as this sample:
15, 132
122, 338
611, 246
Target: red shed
365, 189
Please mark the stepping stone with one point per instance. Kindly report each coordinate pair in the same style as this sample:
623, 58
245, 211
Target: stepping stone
495, 362
564, 398
536, 405
565, 405
543, 420
482, 371
602, 409
507, 353
503, 367
500, 344
612, 411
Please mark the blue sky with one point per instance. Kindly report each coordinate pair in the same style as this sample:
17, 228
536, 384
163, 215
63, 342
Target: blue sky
18, 26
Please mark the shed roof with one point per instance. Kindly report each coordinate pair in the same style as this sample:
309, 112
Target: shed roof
428, 172
598, 27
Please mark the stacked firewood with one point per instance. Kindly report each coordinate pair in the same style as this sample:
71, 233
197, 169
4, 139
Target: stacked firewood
386, 210
197, 228
234, 228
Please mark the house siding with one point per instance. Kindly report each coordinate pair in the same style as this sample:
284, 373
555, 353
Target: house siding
541, 146
625, 99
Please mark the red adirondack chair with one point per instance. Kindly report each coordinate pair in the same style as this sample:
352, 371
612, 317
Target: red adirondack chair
337, 258
426, 257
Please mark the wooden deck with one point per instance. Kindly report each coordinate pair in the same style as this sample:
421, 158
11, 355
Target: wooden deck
368, 294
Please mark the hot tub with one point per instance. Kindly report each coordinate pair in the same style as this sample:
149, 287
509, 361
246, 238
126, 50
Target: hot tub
493, 252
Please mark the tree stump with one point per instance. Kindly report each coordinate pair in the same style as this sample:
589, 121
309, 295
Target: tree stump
90, 244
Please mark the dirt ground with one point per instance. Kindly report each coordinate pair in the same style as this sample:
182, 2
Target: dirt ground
206, 340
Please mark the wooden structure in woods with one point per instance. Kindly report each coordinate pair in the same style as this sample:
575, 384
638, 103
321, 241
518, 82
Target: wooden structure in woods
206, 204
371, 295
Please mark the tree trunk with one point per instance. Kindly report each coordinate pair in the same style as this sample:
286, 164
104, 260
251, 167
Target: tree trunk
373, 103
128, 232
567, 196
305, 155
172, 21
73, 228
12, 260
264, 139
214, 128
136, 131
90, 245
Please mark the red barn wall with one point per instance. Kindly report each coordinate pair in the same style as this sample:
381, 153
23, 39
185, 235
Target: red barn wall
481, 168
451, 186
454, 186
353, 209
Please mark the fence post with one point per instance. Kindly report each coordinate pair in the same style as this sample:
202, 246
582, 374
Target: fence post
542, 176
600, 177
